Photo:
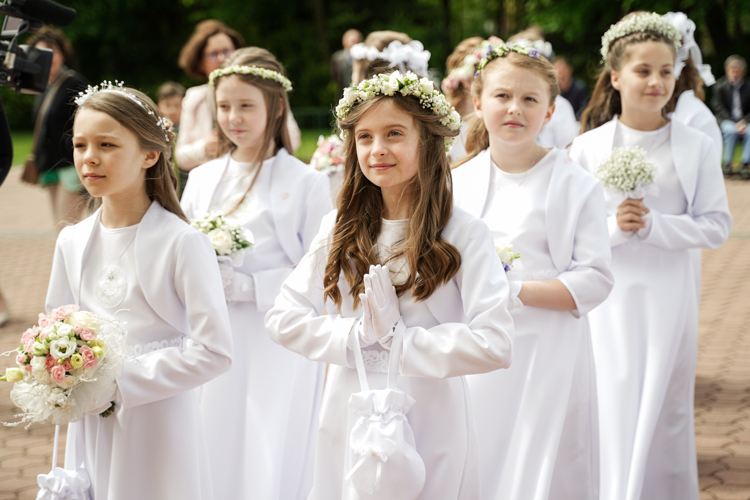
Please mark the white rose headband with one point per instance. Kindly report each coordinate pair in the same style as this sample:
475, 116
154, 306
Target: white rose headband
265, 73
689, 48
406, 84
411, 56
650, 21
119, 88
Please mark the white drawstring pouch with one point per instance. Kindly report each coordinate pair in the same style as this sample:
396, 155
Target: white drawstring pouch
382, 461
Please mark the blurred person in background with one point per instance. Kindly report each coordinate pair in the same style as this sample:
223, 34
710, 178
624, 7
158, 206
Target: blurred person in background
571, 88
169, 100
52, 151
731, 103
341, 60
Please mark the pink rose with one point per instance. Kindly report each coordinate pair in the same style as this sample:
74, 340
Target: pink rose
63, 312
46, 321
89, 358
50, 362
28, 368
58, 374
77, 330
28, 338
21, 358
87, 335
336, 160
68, 367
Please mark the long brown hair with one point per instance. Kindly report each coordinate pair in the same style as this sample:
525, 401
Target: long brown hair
462, 92
192, 53
605, 101
478, 138
689, 79
431, 260
274, 96
141, 119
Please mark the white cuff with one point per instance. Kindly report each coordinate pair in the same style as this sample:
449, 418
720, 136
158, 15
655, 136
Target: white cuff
388, 339
515, 289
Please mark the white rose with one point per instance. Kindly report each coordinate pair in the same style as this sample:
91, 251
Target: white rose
426, 86
222, 241
505, 252
350, 96
68, 382
42, 376
85, 320
62, 348
391, 86
64, 330
38, 363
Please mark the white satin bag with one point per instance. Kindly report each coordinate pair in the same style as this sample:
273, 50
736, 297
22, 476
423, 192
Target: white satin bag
63, 484
383, 463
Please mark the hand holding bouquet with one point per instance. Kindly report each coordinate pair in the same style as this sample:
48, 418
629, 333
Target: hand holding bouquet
228, 239
66, 366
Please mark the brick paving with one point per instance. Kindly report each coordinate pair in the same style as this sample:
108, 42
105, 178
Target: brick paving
722, 390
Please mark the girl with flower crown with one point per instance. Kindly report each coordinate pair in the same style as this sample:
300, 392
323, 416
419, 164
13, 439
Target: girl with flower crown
535, 421
645, 333
138, 260
442, 288
260, 417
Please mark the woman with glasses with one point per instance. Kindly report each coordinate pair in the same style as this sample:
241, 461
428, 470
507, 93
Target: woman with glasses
211, 43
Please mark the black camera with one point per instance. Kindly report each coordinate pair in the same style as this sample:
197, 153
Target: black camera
24, 68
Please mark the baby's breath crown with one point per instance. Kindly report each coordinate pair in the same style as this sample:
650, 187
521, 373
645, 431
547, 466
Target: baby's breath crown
503, 49
634, 23
406, 84
265, 73
119, 88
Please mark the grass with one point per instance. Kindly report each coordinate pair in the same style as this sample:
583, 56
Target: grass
21, 146
310, 143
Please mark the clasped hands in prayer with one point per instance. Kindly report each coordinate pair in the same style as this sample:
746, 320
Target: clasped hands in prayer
380, 309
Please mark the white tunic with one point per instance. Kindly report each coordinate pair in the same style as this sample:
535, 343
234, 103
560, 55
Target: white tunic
562, 128
536, 424
153, 446
645, 333
464, 327
268, 402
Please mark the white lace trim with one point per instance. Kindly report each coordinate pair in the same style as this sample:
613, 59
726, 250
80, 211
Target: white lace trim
138, 349
539, 275
376, 360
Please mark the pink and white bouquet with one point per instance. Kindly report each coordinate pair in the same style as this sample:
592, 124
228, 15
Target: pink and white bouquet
67, 365
329, 157
229, 239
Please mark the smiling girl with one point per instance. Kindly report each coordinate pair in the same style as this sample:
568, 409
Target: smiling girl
137, 260
536, 421
446, 291
645, 333
260, 417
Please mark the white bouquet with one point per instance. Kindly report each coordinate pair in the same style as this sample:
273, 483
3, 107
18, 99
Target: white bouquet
228, 239
627, 171
329, 157
67, 366
506, 254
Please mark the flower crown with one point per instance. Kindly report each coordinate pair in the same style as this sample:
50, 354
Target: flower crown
407, 84
411, 56
493, 52
634, 23
119, 88
465, 73
265, 73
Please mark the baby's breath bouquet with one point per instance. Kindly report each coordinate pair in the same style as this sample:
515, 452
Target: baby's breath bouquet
627, 171
229, 239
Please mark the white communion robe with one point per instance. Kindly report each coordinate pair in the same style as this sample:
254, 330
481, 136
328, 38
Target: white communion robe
153, 447
536, 422
261, 416
562, 128
464, 327
645, 334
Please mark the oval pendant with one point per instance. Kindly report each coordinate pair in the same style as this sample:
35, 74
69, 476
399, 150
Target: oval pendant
111, 286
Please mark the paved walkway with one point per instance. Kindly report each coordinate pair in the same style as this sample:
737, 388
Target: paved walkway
722, 394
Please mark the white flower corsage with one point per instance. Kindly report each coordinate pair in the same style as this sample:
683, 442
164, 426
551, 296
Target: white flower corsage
506, 254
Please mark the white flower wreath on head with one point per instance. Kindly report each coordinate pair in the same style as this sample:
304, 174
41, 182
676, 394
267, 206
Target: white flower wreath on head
265, 73
634, 23
503, 49
119, 88
406, 84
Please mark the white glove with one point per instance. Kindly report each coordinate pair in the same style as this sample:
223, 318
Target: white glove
381, 304
363, 328
515, 289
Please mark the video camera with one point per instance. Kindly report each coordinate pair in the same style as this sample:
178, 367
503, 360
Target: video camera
23, 68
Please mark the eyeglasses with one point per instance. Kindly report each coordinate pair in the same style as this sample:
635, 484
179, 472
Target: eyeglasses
218, 55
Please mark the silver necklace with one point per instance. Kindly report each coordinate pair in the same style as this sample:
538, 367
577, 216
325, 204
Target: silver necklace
111, 282
533, 162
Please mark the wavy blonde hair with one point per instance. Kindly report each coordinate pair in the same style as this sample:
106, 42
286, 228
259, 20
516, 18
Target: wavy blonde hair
432, 261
